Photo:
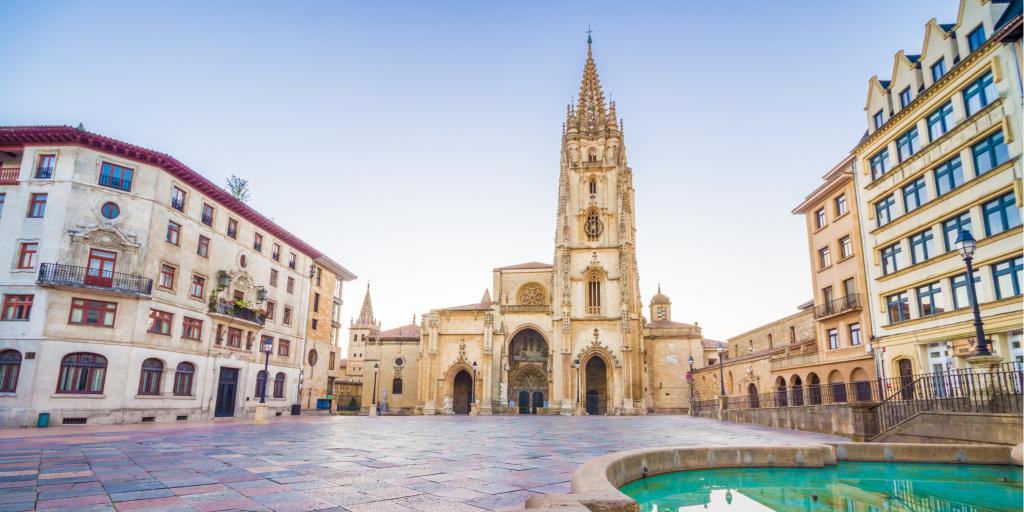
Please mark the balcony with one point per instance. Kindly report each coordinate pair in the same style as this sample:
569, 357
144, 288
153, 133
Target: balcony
43, 173
793, 361
838, 306
237, 312
57, 274
9, 175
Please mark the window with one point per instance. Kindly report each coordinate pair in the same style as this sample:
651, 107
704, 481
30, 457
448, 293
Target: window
283, 347
1007, 277
3, 199
198, 288
824, 258
976, 38
234, 337
261, 383
908, 144
207, 214
149, 381
273, 277
160, 322
899, 307
177, 199
961, 294
27, 253
173, 233
233, 228
166, 279
938, 69
92, 312
929, 300
940, 121
904, 98
885, 210
82, 373
980, 93
880, 164
44, 166
396, 386
110, 211
271, 307
10, 367
841, 206
948, 176
291, 260
17, 307
952, 227
183, 376
37, 206
275, 252
922, 246
287, 320
593, 186
989, 153
330, 361
116, 176
845, 247
279, 385
855, 334
1001, 214
257, 242
850, 289
203, 248
290, 286
826, 298
890, 259
833, 339
314, 324
792, 334
914, 195
191, 328
594, 294
316, 302
879, 119
819, 218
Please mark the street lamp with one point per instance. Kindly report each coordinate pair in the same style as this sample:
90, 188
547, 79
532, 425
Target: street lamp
268, 347
721, 371
373, 397
689, 380
576, 365
472, 391
966, 245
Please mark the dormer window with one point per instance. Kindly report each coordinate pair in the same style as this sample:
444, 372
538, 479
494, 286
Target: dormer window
938, 69
976, 38
879, 120
905, 97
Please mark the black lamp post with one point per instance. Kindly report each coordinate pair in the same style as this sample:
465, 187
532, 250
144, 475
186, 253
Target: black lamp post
373, 397
689, 380
576, 365
268, 347
721, 371
966, 245
472, 391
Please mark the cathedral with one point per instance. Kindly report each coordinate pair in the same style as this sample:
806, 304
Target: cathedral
567, 337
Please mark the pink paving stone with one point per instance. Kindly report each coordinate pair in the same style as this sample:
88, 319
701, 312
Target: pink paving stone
199, 489
263, 491
216, 506
171, 501
79, 501
17, 483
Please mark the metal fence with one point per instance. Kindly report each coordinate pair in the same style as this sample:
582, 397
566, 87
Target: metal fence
82, 277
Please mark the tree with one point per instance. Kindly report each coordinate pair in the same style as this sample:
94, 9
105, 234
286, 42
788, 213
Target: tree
238, 188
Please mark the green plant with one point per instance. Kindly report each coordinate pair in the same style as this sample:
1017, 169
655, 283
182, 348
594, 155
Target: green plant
353, 405
212, 301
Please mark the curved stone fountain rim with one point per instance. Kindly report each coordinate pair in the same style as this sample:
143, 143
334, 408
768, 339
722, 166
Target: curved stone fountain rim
595, 485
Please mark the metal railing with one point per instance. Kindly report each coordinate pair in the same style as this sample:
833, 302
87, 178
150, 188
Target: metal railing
44, 173
9, 175
178, 204
58, 274
850, 302
811, 394
239, 312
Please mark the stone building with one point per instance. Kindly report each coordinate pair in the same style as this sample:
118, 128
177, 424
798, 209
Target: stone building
668, 347
323, 331
941, 155
138, 290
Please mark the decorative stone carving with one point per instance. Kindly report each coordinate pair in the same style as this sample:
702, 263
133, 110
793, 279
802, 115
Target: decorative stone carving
532, 294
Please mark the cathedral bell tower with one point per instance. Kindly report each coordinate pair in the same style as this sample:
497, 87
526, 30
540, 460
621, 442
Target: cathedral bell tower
596, 300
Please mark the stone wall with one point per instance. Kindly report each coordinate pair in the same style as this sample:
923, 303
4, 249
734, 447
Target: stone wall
855, 421
960, 428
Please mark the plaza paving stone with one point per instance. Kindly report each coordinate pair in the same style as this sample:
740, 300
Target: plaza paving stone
342, 463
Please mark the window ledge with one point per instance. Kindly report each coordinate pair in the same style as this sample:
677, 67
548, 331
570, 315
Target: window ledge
23, 270
822, 269
8, 395
78, 395
850, 257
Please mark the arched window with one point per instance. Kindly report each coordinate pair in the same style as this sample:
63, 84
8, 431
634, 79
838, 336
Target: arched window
396, 387
593, 185
592, 155
279, 385
261, 383
10, 367
594, 294
149, 381
183, 379
82, 372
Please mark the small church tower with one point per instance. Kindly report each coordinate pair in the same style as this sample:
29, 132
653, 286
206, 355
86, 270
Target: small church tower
363, 330
661, 307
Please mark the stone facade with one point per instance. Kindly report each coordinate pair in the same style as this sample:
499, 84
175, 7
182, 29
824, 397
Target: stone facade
137, 289
323, 330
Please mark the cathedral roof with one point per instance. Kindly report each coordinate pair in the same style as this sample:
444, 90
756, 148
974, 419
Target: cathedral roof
667, 324
479, 306
529, 265
411, 331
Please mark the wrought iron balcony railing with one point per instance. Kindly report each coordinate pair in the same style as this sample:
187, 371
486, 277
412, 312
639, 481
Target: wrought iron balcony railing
178, 204
57, 274
239, 312
44, 173
838, 306
9, 175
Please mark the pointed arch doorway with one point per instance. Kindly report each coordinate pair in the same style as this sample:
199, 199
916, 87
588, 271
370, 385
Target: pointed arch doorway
528, 371
462, 392
596, 386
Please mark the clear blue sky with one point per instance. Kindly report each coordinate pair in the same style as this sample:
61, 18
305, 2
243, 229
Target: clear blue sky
417, 143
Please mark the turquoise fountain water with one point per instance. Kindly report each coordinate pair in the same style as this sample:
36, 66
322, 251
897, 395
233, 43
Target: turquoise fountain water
848, 486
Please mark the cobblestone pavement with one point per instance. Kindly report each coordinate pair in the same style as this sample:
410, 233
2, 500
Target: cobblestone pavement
356, 464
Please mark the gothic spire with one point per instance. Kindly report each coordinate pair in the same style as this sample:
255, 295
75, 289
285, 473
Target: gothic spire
366, 313
591, 108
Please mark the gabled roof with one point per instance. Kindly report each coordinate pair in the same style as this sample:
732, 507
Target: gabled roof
1012, 12
707, 343
479, 306
411, 331
667, 324
51, 135
525, 266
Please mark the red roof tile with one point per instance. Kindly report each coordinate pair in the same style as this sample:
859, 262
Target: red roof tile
530, 265
411, 331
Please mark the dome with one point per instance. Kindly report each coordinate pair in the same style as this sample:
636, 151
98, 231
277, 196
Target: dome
659, 298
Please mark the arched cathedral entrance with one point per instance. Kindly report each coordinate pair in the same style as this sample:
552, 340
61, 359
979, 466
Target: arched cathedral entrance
528, 371
462, 393
596, 384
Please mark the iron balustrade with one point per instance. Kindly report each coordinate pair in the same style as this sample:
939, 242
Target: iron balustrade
239, 312
850, 302
811, 394
44, 173
178, 204
9, 175
58, 274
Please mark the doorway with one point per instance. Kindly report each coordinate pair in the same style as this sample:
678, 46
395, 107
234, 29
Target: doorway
100, 268
524, 402
462, 392
538, 402
597, 386
226, 391
906, 369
